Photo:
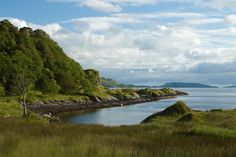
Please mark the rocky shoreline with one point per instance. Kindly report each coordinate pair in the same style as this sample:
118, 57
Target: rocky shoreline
60, 106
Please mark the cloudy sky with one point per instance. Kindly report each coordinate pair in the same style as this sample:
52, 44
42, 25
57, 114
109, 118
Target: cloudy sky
139, 41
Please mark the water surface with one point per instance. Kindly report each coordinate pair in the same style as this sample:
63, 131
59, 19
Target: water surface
200, 99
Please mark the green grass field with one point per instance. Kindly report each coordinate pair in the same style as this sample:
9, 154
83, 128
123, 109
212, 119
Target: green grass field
193, 134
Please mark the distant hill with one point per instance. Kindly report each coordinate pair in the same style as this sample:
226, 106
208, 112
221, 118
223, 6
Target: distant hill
234, 86
110, 83
186, 85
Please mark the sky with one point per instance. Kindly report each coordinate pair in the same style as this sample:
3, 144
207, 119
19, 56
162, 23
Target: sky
145, 42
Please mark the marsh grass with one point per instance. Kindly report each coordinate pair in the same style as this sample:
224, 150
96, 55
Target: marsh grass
38, 139
213, 134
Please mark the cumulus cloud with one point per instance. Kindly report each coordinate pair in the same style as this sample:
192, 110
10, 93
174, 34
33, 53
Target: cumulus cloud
16, 22
49, 28
111, 41
231, 19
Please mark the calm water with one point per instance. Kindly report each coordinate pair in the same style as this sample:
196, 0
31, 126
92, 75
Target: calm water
200, 99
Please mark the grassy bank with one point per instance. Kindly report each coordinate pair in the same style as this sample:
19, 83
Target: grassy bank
185, 134
20, 139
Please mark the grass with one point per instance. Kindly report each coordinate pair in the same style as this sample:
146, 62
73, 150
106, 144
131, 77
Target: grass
213, 134
34, 139
35, 96
9, 106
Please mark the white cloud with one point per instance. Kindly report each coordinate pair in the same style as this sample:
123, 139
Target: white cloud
49, 28
16, 22
101, 5
219, 4
201, 21
231, 19
167, 47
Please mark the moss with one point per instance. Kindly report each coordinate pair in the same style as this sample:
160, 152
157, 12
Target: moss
168, 91
123, 94
179, 108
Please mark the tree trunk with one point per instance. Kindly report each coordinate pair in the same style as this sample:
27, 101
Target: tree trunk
24, 105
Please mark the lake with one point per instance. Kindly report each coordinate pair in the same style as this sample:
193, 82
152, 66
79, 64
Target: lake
198, 98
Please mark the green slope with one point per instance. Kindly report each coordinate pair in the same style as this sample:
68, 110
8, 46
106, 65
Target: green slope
42, 60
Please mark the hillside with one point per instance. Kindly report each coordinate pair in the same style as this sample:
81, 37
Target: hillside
185, 85
31, 58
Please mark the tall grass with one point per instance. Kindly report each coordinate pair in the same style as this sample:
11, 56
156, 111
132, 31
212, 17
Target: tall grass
213, 134
35, 139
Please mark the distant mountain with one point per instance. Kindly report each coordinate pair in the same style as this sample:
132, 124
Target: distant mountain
186, 85
110, 83
234, 86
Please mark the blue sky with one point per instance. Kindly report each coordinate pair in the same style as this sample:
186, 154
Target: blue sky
139, 41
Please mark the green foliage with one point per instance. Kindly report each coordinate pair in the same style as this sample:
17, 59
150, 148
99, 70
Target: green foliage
22, 73
27, 53
46, 83
91, 82
123, 94
146, 92
2, 91
168, 91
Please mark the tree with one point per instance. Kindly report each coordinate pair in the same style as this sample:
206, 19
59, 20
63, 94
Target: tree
91, 82
46, 83
2, 90
23, 55
24, 73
